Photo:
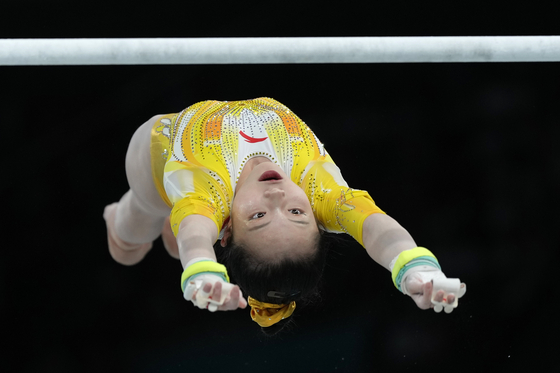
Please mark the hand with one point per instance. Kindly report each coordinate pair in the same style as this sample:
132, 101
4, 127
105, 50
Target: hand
211, 292
420, 287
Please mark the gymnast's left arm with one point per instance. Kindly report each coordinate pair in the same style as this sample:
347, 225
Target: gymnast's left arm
414, 269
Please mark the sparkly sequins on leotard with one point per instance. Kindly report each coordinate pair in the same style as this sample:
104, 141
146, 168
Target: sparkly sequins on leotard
211, 141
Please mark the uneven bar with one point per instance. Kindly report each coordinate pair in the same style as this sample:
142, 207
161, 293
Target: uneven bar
177, 51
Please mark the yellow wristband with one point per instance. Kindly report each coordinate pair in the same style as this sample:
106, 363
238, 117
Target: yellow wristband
203, 266
411, 258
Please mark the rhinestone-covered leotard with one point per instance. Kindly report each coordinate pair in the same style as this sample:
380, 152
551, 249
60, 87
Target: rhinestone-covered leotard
199, 153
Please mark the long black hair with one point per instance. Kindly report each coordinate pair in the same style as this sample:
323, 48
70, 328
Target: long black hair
291, 279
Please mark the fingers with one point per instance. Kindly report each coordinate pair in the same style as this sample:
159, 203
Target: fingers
207, 287
216, 295
242, 301
202, 299
444, 302
439, 296
462, 289
234, 300
422, 295
212, 296
444, 298
450, 298
423, 298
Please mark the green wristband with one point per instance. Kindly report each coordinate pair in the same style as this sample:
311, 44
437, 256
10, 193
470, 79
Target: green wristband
412, 258
205, 266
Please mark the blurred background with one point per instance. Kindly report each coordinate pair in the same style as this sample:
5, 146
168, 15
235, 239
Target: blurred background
465, 156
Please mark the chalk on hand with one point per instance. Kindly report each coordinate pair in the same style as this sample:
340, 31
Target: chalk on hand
449, 286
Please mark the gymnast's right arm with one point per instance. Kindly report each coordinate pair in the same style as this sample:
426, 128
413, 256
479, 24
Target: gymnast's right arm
195, 239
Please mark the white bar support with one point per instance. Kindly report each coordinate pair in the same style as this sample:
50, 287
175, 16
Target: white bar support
174, 51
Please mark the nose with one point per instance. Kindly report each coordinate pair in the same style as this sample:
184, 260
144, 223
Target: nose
274, 193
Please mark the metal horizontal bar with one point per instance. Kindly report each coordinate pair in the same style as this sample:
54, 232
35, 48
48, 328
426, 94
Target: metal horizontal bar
173, 51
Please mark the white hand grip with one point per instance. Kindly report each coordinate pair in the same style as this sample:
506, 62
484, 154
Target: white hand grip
202, 299
449, 286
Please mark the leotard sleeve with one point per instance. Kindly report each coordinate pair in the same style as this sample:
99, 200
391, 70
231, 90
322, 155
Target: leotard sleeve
194, 190
338, 207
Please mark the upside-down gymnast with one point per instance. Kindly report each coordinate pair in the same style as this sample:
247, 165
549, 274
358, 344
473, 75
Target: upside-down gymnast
251, 177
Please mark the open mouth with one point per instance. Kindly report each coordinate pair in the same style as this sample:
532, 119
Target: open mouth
270, 176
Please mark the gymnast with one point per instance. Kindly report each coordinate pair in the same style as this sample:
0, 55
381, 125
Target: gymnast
250, 180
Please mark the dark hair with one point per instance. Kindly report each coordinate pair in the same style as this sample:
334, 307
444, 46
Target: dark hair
296, 279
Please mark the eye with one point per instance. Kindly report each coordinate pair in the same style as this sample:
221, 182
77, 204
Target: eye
296, 211
258, 215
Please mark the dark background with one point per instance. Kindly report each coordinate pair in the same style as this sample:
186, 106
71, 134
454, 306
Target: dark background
464, 156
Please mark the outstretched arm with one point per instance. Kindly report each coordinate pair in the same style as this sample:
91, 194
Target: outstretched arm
385, 239
195, 240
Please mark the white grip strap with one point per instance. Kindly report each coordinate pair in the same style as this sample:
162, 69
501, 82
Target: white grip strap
426, 273
202, 299
449, 286
198, 272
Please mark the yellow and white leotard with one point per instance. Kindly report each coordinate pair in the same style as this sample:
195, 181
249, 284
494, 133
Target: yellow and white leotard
199, 153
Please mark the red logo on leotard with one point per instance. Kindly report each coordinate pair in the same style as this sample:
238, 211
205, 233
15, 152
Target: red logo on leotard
250, 139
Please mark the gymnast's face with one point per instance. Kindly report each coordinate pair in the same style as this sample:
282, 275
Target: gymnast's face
272, 214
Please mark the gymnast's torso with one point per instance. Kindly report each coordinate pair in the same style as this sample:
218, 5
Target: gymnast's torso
199, 153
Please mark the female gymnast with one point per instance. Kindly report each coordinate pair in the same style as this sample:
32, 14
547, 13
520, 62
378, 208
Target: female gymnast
251, 177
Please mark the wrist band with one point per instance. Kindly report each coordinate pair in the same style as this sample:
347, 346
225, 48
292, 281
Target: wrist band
419, 256
202, 267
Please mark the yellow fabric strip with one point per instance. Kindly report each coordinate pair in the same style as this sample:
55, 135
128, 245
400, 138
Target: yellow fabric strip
268, 314
192, 206
338, 207
195, 191
204, 266
407, 256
